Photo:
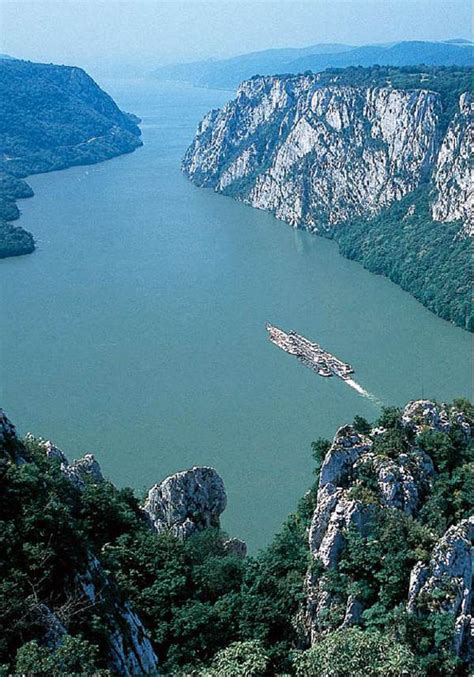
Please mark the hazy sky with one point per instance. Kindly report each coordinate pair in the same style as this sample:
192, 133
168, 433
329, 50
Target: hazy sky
84, 31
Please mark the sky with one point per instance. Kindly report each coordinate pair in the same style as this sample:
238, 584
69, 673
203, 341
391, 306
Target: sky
85, 32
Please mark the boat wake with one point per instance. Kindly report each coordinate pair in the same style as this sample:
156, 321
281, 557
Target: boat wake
353, 384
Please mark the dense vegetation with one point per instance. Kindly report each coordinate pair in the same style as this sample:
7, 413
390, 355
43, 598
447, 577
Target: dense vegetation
14, 240
51, 117
211, 612
424, 257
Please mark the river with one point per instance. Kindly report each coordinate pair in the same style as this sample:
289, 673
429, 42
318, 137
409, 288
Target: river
137, 329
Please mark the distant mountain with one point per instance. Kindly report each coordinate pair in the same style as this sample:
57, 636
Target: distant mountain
228, 73
400, 54
51, 117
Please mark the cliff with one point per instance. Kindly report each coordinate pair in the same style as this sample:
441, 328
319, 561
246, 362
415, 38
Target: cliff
372, 574
324, 151
52, 117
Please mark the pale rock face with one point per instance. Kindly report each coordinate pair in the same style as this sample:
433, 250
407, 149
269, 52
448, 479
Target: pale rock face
317, 156
335, 512
186, 502
445, 583
346, 448
84, 468
453, 177
79, 471
403, 484
236, 546
422, 414
130, 650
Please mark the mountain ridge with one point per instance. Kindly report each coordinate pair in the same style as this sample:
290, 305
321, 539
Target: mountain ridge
228, 73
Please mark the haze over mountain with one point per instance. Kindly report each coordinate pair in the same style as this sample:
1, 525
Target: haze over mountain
228, 73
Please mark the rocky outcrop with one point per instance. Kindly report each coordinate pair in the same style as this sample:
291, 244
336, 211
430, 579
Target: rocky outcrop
405, 481
11, 448
452, 175
336, 511
421, 415
347, 447
236, 547
80, 471
348, 500
186, 502
444, 584
130, 650
317, 155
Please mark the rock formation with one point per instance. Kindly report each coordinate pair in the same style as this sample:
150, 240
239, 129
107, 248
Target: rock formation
317, 153
79, 471
452, 175
445, 583
126, 641
186, 502
402, 484
131, 652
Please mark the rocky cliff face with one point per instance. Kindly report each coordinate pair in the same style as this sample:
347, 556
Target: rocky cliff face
319, 155
452, 174
347, 500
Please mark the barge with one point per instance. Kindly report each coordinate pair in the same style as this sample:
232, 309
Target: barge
310, 354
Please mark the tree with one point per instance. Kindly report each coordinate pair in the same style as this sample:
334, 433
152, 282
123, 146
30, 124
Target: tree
75, 656
352, 652
240, 659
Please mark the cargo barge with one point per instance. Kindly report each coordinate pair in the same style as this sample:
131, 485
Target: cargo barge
310, 354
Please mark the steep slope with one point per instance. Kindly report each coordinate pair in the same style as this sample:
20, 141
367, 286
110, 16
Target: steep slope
51, 117
228, 73
324, 151
371, 575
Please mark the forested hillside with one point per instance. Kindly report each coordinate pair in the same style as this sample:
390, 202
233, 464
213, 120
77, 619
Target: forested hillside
51, 117
371, 575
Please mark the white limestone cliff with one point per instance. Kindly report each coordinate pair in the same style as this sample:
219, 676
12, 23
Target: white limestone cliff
317, 155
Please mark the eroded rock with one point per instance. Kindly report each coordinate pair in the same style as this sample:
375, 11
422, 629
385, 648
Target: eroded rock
187, 502
444, 584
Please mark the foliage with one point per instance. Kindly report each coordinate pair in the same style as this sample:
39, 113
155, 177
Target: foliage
74, 656
14, 240
51, 117
352, 652
423, 256
239, 659
210, 612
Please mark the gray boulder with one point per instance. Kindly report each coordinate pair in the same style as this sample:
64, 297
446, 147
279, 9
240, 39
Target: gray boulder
186, 502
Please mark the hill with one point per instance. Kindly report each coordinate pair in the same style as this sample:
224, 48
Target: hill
51, 117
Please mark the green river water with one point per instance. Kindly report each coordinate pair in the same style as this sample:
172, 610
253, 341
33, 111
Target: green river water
137, 330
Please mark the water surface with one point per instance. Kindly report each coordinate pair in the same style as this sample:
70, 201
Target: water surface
137, 330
